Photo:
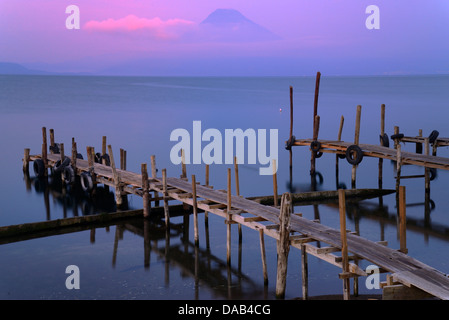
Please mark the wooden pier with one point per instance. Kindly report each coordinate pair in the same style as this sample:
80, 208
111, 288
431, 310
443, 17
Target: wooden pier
278, 222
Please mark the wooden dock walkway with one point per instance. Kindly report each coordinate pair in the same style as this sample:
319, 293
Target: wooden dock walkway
268, 220
369, 150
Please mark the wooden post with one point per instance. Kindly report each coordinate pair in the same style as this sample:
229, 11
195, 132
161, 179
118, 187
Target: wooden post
103, 149
283, 244
426, 170
44, 150
228, 221
315, 102
74, 155
61, 150
236, 171
316, 128
396, 131
118, 193
340, 130
305, 273
275, 184
263, 256
183, 162
52, 140
207, 175
164, 184
398, 164
195, 211
402, 221
153, 175
356, 142
382, 132
237, 191
344, 244
145, 189
291, 127
122, 159
26, 160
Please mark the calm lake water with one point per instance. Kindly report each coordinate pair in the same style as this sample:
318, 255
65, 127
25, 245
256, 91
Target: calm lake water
138, 114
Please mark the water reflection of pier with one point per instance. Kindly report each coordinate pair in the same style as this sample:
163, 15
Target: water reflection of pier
195, 262
225, 281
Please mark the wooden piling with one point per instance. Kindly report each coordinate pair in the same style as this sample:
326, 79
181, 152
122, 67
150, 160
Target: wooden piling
118, 191
153, 175
263, 256
291, 127
305, 273
122, 159
356, 142
228, 220
283, 244
344, 244
183, 162
26, 160
195, 211
382, 132
275, 184
74, 155
166, 209
236, 171
316, 128
426, 169
44, 150
340, 130
317, 89
52, 140
103, 150
402, 221
145, 189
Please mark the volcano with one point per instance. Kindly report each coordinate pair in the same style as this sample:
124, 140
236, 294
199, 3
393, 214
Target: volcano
230, 25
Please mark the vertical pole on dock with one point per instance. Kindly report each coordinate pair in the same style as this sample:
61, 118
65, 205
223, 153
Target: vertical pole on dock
52, 140
26, 160
195, 211
206, 214
74, 155
344, 244
398, 165
283, 244
236, 171
356, 142
44, 150
305, 273
153, 175
316, 128
122, 159
315, 122
315, 102
382, 132
402, 221
237, 191
164, 186
103, 149
340, 130
228, 221
291, 127
118, 193
275, 184
183, 162
426, 170
61, 150
145, 189
263, 256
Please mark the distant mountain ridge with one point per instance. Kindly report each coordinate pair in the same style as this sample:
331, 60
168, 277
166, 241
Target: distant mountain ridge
15, 68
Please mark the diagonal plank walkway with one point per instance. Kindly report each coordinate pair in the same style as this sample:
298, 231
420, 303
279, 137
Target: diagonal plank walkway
404, 268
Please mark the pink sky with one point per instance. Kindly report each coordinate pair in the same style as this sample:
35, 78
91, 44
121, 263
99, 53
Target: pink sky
112, 31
